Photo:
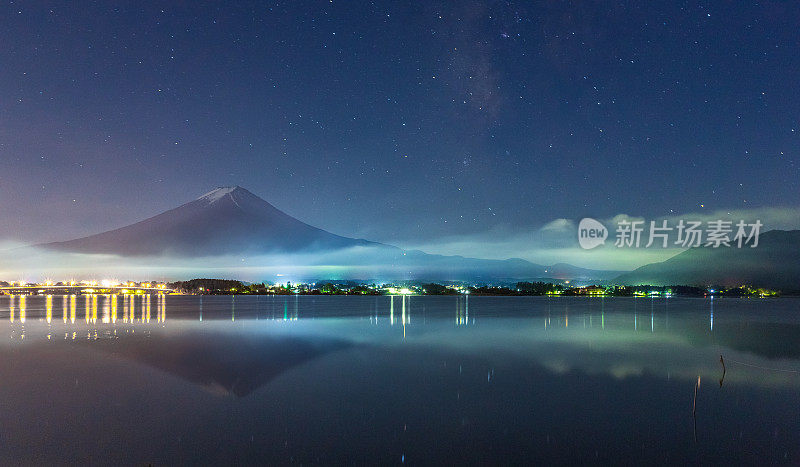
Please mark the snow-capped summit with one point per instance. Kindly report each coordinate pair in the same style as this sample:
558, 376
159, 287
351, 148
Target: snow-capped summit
219, 193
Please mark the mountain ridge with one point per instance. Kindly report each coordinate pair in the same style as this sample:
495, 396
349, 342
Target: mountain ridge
774, 263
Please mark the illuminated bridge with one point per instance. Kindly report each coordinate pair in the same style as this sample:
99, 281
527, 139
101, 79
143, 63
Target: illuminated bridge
75, 289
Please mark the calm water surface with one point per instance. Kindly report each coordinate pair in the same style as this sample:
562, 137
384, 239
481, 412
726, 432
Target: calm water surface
332, 380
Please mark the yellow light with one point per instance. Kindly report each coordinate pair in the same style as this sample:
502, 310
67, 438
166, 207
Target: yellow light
22, 308
94, 308
48, 305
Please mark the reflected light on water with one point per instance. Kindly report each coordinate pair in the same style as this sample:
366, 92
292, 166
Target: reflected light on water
64, 308
48, 306
106, 309
711, 318
130, 309
146, 308
462, 310
22, 300
87, 307
73, 308
107, 306
161, 308
94, 309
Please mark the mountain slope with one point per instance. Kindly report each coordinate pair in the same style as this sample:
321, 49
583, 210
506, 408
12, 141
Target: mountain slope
774, 263
228, 220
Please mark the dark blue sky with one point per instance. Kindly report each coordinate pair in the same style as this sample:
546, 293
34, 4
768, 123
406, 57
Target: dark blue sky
397, 122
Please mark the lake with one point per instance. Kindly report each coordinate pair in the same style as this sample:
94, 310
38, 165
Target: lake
392, 380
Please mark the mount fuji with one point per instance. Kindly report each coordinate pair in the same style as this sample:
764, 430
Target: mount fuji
227, 220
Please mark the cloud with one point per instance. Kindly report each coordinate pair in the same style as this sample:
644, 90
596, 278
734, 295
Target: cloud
553, 242
559, 225
556, 241
35, 264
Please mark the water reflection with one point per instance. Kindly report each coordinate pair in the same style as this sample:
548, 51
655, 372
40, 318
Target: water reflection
770, 338
598, 324
49, 308
22, 308
711, 313
462, 311
43, 308
409, 376
73, 308
162, 308
215, 365
106, 313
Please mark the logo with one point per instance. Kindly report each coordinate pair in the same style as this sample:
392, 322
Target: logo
685, 234
591, 233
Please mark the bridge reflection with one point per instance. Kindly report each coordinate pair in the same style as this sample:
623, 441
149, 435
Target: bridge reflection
103, 308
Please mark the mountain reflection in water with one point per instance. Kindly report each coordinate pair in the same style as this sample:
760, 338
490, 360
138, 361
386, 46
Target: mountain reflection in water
227, 364
385, 379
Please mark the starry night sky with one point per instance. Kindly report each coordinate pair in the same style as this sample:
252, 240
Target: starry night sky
401, 123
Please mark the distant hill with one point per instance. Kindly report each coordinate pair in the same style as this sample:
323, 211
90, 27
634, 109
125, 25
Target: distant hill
774, 263
231, 221
568, 271
455, 267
